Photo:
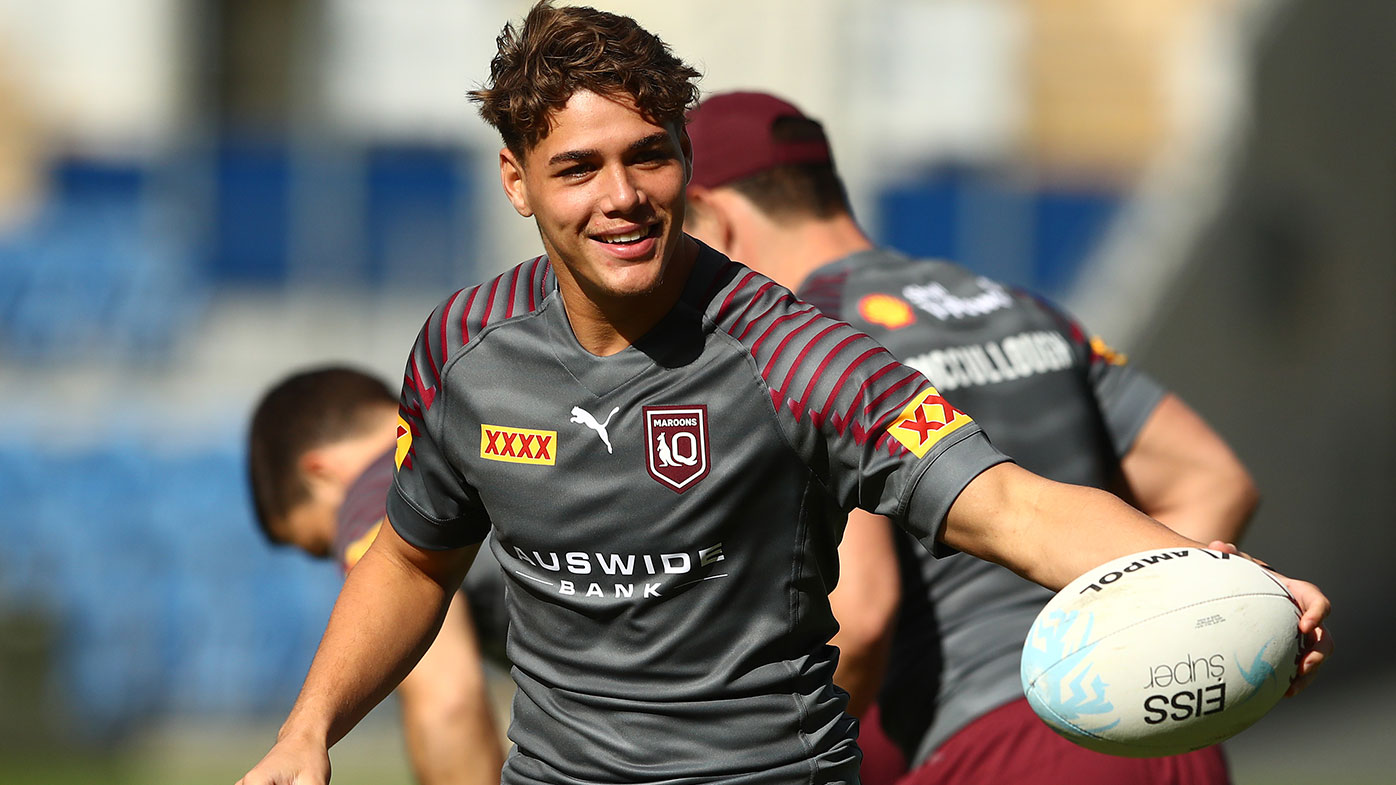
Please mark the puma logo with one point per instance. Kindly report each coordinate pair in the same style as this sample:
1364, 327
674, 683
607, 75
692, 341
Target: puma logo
582, 416
668, 458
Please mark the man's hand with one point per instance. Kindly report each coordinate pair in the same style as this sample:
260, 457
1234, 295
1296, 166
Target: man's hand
293, 761
1313, 608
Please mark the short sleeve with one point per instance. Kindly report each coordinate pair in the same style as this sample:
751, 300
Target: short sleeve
430, 505
874, 431
1126, 395
918, 455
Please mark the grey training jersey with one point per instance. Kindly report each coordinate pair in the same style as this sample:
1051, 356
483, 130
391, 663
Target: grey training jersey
667, 518
1063, 406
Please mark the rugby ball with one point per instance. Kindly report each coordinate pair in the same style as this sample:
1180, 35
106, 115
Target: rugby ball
1162, 652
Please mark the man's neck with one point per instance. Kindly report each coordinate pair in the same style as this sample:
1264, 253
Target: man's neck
796, 250
605, 325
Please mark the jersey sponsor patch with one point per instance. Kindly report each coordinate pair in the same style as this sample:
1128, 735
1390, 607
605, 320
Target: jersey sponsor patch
587, 419
402, 456
518, 445
359, 547
937, 300
636, 577
1003, 360
927, 420
1102, 350
885, 310
676, 445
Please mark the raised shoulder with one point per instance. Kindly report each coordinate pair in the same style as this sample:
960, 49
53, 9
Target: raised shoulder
816, 368
469, 313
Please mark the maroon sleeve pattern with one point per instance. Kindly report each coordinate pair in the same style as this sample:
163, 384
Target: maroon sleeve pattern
430, 504
870, 424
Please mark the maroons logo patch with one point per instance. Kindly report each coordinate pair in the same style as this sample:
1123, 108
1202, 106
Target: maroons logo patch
676, 445
927, 420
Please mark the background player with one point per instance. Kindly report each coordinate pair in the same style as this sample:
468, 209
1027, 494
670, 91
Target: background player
320, 461
696, 650
765, 191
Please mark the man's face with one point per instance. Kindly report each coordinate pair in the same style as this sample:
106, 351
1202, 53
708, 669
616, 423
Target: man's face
606, 187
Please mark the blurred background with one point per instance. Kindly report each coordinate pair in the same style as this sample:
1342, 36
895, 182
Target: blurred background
197, 196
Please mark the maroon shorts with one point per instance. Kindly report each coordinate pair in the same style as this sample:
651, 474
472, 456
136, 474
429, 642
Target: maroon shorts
883, 762
1011, 745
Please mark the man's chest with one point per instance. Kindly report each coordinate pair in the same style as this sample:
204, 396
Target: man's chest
656, 472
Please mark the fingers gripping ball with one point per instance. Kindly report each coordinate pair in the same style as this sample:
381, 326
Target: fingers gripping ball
1162, 652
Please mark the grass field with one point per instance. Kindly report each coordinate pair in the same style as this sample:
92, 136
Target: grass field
1340, 736
197, 753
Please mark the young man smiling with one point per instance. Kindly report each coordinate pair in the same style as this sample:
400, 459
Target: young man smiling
605, 187
668, 620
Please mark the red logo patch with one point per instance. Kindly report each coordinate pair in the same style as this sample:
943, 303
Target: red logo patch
925, 421
517, 445
676, 445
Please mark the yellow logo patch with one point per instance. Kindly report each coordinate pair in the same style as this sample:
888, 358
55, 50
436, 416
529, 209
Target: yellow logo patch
886, 310
926, 421
1104, 352
518, 445
404, 442
359, 547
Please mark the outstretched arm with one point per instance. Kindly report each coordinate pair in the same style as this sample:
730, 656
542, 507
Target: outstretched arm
390, 607
446, 713
865, 604
1050, 533
1183, 474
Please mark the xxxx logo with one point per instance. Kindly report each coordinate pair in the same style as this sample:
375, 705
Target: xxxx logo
518, 445
926, 421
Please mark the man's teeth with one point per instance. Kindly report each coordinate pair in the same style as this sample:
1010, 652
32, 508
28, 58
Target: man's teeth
628, 237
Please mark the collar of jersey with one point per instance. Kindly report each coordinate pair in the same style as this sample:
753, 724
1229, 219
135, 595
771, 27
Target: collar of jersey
856, 260
675, 341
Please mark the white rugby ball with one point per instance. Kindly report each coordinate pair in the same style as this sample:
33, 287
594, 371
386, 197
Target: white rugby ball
1162, 652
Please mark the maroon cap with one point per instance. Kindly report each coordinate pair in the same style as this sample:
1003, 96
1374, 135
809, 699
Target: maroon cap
731, 135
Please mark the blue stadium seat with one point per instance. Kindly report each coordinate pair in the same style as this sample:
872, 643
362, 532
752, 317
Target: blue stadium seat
418, 205
252, 212
22, 561
94, 273
1025, 235
166, 597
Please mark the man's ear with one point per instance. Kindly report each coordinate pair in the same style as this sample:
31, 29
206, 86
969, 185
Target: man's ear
511, 176
707, 219
319, 470
686, 147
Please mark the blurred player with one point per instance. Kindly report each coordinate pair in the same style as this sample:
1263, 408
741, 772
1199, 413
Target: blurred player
668, 607
765, 191
320, 461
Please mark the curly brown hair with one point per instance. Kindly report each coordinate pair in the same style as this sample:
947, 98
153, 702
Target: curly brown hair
560, 51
